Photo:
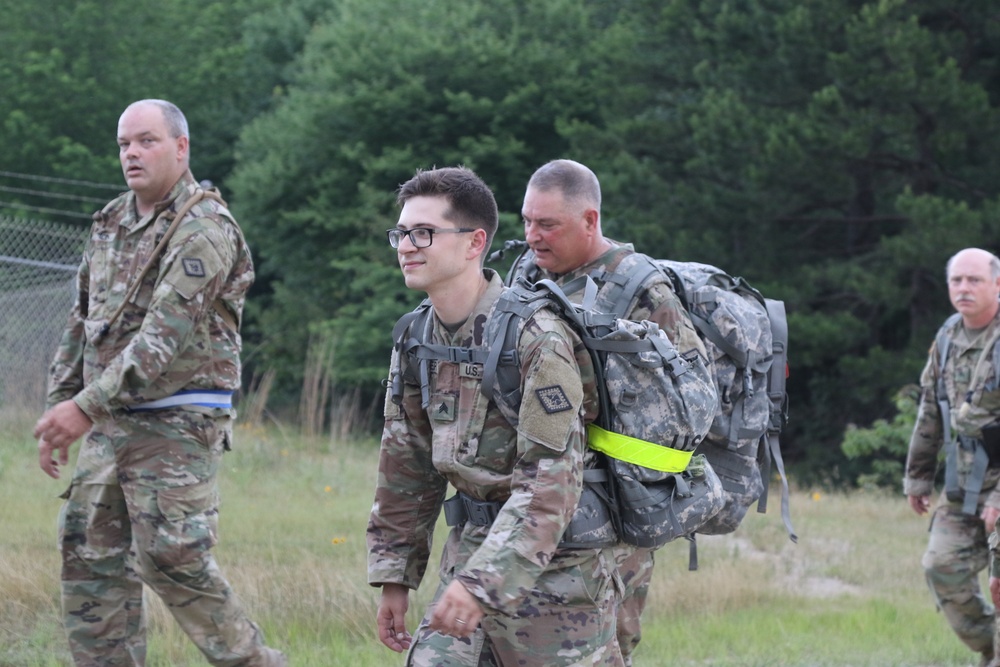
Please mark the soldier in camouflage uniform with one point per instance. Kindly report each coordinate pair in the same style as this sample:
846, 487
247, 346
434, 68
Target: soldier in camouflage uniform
562, 226
153, 394
968, 509
509, 594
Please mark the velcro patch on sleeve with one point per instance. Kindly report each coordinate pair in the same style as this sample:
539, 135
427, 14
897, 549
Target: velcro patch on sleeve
553, 399
552, 395
196, 264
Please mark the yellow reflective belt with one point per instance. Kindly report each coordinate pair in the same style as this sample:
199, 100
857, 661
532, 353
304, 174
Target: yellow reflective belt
633, 450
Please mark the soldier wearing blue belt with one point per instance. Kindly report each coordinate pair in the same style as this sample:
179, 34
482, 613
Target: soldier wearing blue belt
146, 370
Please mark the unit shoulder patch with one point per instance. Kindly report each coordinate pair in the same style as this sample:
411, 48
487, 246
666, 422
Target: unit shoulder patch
553, 399
193, 267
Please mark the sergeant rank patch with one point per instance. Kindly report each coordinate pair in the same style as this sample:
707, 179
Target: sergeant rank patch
553, 399
193, 267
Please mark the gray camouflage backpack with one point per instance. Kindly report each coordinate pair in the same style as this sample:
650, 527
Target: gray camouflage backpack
655, 408
746, 337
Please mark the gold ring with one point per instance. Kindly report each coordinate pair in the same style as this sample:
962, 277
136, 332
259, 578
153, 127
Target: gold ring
460, 621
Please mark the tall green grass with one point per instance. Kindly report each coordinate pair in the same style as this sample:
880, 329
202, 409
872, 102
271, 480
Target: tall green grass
850, 593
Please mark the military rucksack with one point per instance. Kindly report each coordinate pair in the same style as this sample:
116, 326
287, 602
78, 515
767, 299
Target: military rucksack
746, 338
655, 408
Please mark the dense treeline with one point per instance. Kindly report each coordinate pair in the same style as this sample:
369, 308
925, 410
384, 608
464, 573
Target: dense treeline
833, 152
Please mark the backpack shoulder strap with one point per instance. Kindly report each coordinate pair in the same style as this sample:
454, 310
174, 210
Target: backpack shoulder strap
404, 323
502, 368
619, 288
403, 340
942, 340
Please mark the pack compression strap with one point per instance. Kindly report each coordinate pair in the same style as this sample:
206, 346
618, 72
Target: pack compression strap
633, 450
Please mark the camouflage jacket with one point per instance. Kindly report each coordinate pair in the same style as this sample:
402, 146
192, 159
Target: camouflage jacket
968, 373
173, 334
656, 301
461, 438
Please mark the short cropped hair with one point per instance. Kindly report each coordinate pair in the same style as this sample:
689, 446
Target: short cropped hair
576, 181
470, 200
994, 264
177, 124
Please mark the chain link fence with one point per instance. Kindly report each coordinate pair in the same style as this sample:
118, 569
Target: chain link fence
38, 262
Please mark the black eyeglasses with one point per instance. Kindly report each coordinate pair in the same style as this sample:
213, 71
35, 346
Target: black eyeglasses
420, 237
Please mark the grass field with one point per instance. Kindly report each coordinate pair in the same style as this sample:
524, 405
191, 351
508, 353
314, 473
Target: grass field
850, 593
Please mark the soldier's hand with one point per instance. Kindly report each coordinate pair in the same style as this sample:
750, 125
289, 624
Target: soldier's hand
47, 460
457, 613
56, 430
62, 425
391, 617
920, 504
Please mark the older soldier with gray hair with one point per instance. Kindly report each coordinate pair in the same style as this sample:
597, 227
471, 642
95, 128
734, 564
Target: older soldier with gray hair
562, 227
960, 412
146, 369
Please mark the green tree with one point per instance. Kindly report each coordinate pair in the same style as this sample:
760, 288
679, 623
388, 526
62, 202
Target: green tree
69, 68
834, 153
881, 448
382, 88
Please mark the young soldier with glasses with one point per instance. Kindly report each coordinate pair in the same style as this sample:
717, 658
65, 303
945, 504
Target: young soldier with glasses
509, 594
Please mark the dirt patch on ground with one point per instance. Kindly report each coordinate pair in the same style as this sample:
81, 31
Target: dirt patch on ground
791, 564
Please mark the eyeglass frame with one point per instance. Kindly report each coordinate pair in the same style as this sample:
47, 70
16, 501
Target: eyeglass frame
430, 231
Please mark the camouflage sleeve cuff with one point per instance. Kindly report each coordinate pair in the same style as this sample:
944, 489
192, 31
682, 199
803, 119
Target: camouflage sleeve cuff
378, 581
918, 487
92, 403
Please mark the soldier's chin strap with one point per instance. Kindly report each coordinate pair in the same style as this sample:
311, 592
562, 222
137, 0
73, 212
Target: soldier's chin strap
198, 195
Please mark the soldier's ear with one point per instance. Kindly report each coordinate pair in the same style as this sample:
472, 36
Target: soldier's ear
477, 243
183, 146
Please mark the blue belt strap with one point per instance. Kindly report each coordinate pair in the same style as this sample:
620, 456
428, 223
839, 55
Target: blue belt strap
206, 398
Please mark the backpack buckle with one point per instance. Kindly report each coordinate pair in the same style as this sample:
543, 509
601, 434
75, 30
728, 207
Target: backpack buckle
459, 355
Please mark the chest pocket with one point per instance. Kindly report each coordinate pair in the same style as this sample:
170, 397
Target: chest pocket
461, 419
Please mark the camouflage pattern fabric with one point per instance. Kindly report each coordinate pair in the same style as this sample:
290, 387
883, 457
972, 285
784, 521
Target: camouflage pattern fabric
556, 625
170, 337
515, 564
956, 553
957, 550
744, 410
143, 504
635, 566
656, 302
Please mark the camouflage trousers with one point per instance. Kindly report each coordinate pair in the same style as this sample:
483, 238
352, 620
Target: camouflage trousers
957, 552
143, 508
635, 566
567, 620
